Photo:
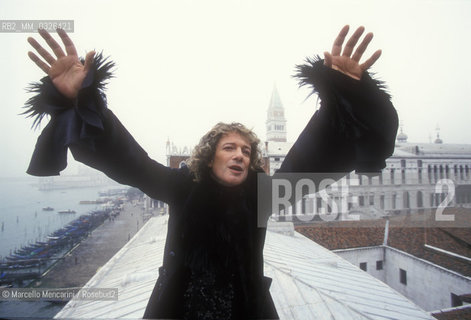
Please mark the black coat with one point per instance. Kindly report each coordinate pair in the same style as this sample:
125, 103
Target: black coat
354, 129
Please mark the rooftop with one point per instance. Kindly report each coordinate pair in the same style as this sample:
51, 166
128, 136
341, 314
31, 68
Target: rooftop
460, 313
432, 149
445, 244
309, 281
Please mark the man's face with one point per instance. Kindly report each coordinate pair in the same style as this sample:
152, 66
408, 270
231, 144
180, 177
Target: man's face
231, 162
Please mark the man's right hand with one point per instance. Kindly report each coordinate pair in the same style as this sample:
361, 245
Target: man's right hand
66, 72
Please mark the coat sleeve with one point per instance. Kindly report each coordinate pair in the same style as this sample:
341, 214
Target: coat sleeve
95, 137
354, 128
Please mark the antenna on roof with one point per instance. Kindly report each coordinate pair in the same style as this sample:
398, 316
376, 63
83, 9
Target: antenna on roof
438, 140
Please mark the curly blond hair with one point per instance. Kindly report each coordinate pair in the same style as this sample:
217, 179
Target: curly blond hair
204, 152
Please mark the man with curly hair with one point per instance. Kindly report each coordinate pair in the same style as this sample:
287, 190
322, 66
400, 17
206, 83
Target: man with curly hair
227, 152
213, 259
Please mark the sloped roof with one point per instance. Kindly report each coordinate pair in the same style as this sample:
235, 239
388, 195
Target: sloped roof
309, 282
432, 150
460, 313
410, 234
133, 270
345, 234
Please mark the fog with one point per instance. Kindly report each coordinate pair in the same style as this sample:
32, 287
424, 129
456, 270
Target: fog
182, 66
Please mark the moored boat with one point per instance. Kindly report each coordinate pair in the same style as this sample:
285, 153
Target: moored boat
66, 211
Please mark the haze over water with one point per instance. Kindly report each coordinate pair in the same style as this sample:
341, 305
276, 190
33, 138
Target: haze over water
22, 218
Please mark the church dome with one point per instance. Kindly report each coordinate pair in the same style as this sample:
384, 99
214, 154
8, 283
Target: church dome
402, 137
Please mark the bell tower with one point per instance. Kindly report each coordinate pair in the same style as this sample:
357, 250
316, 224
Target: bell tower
276, 121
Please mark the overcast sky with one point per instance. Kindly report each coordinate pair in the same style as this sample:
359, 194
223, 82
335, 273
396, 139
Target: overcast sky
182, 66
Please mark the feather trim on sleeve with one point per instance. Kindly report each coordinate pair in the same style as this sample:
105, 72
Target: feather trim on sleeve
72, 121
313, 73
49, 101
359, 111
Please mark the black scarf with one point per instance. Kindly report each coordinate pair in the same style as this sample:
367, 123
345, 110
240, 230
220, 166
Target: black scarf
217, 228
218, 240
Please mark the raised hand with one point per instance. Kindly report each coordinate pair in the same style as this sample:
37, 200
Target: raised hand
66, 71
346, 62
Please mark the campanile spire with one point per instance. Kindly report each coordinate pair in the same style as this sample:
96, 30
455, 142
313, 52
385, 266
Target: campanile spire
276, 121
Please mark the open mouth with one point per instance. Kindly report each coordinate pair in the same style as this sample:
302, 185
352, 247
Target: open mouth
236, 168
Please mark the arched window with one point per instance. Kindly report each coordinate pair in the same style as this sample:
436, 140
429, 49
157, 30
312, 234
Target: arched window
371, 199
406, 200
420, 199
437, 199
